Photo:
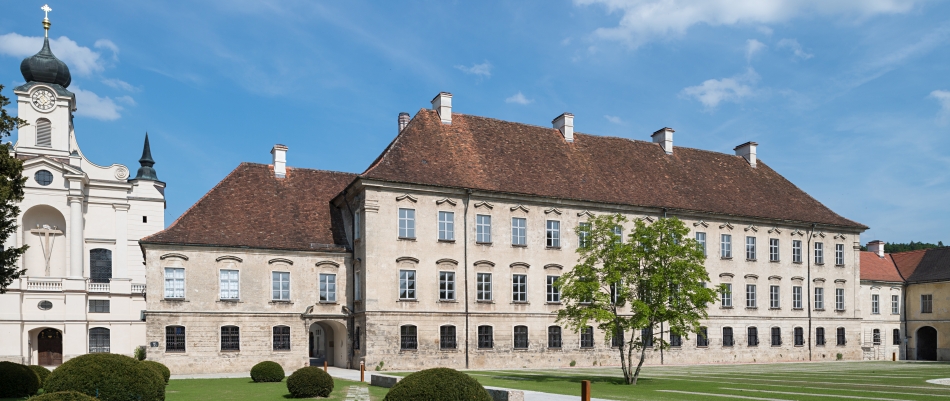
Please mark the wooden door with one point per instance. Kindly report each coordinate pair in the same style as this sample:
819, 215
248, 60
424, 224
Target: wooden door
50, 347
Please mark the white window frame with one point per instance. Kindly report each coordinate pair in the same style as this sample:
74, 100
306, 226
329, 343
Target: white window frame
725, 246
229, 284
407, 284
875, 304
819, 298
773, 250
519, 288
726, 297
618, 231
583, 235
775, 297
895, 304
553, 293
446, 286
278, 280
819, 253
407, 223
446, 226
519, 231
552, 233
839, 299
839, 254
796, 251
701, 239
750, 248
327, 287
750, 296
483, 287
175, 283
797, 297
483, 228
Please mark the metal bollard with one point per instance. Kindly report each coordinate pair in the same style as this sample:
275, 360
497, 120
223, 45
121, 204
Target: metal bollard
325, 366
362, 371
585, 390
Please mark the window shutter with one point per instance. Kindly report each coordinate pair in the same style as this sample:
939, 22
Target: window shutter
44, 133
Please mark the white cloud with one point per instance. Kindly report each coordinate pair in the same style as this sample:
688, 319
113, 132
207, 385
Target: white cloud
107, 44
614, 119
764, 30
753, 46
714, 91
943, 97
120, 84
80, 59
519, 99
646, 20
482, 70
795, 47
91, 105
126, 99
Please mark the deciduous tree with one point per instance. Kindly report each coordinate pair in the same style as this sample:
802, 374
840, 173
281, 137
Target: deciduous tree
11, 193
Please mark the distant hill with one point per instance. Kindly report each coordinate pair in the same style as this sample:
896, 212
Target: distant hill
911, 246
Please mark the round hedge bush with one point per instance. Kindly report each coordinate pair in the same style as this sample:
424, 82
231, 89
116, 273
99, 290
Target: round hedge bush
41, 372
108, 377
267, 371
439, 384
17, 380
63, 396
161, 369
310, 381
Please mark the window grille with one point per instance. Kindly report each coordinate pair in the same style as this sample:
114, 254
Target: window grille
98, 306
676, 340
753, 336
282, 338
876, 336
447, 286
701, 239
483, 229
280, 286
519, 288
820, 336
408, 338
587, 337
44, 133
840, 336
553, 234
773, 250
98, 340
521, 337
174, 283
727, 340
554, 294
519, 234
230, 338
796, 251
407, 223
229, 284
447, 226
174, 339
483, 287
100, 265
776, 336
328, 287
725, 246
750, 248
702, 337
485, 337
554, 337
799, 336
447, 337
407, 284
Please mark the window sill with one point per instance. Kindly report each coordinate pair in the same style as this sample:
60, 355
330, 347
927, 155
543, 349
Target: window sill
328, 302
230, 351
447, 241
484, 302
726, 258
278, 301
725, 307
519, 349
751, 260
407, 238
520, 303
233, 301
702, 346
797, 263
449, 349
775, 261
799, 345
408, 350
281, 350
837, 265
819, 309
798, 308
552, 303
590, 348
553, 248
841, 310
819, 264
518, 246
751, 307
775, 308
554, 348
174, 300
483, 243
408, 300
448, 301
776, 345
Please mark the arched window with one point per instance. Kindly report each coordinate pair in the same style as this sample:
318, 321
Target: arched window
521, 337
485, 337
230, 338
447, 337
554, 337
753, 336
727, 337
174, 339
876, 336
408, 339
100, 265
44, 133
281, 338
98, 340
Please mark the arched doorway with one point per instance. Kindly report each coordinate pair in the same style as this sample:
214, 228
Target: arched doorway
926, 344
49, 347
327, 343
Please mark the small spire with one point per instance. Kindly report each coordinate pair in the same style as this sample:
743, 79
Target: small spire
146, 172
46, 22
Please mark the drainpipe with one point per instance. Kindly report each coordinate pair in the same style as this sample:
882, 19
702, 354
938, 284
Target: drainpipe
349, 299
807, 296
468, 198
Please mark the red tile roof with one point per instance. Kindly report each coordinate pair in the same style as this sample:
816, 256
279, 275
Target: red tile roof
252, 208
876, 268
493, 155
924, 265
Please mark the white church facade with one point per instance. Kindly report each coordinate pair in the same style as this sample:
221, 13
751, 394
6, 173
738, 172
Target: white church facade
83, 289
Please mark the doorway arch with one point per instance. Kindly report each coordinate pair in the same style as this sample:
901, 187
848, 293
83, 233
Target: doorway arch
327, 343
926, 344
49, 347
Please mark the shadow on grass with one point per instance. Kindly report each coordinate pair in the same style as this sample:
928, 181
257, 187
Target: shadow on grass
594, 379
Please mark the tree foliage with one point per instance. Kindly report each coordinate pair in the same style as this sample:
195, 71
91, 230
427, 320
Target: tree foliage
11, 193
625, 286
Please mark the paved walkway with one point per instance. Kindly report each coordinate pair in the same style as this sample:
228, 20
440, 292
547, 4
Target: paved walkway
357, 393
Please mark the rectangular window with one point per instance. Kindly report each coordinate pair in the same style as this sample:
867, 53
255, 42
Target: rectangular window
896, 337
446, 226
407, 223
447, 286
617, 339
174, 339
797, 297
587, 337
519, 288
521, 337
447, 337
99, 341
819, 298
553, 234
280, 286
774, 297
819, 253
701, 239
773, 250
357, 288
839, 298
702, 337
408, 337
554, 337
725, 246
799, 337
618, 235
356, 225
485, 337
876, 337
356, 338
926, 303
776, 336
230, 338
583, 235
750, 296
840, 336
727, 340
797, 251
895, 305
282, 338
676, 340
615, 295
483, 228
875, 304
519, 231
327, 287
230, 285
174, 283
839, 254
753, 336
646, 336
98, 306
554, 294
820, 336
750, 248
727, 295
407, 284
483, 287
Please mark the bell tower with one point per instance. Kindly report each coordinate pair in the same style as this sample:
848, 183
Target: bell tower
45, 103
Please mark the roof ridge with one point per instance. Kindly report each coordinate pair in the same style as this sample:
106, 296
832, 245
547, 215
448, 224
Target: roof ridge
392, 143
300, 168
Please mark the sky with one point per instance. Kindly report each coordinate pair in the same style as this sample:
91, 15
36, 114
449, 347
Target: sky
849, 100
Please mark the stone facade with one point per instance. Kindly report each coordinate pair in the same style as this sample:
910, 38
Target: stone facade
928, 328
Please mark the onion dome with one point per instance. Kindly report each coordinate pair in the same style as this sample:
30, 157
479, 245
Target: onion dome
44, 66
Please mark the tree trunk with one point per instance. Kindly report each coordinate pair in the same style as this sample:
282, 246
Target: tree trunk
643, 354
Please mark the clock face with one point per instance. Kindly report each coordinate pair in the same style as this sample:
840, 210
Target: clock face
43, 100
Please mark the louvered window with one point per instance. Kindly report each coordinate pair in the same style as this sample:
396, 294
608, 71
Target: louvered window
44, 133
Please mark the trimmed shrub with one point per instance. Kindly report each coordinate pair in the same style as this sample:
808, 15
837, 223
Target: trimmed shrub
267, 371
439, 384
41, 372
161, 369
17, 380
310, 381
140, 352
108, 377
63, 396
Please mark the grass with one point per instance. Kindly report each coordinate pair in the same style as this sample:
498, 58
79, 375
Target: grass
787, 381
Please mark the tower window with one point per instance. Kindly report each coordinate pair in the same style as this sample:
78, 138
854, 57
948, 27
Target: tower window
43, 177
44, 133
145, 219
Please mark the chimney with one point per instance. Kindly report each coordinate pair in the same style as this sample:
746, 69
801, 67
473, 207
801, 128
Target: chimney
565, 124
442, 103
664, 137
877, 246
747, 150
403, 121
280, 160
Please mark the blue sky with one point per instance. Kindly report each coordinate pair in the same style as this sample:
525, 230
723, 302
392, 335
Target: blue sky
849, 100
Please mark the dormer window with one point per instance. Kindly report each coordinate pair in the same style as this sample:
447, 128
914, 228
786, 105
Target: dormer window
44, 133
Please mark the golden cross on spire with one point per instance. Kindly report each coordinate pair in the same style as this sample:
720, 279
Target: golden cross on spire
46, 22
